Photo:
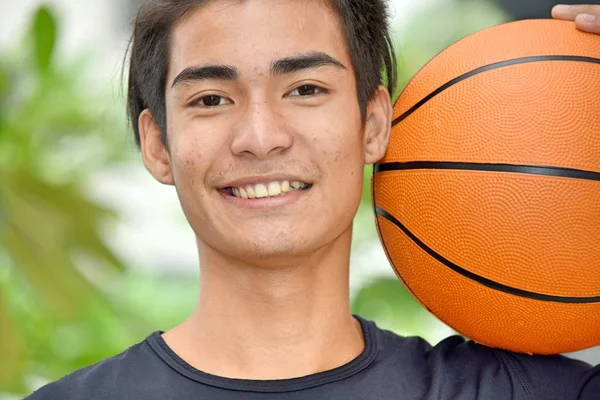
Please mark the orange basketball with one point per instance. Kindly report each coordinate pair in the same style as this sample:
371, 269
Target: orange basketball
488, 199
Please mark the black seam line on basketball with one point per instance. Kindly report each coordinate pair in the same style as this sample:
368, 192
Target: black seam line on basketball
478, 278
506, 63
516, 169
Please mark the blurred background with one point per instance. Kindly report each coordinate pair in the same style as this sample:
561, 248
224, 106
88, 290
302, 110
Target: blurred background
94, 254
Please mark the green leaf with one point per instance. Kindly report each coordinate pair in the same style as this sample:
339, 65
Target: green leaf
44, 34
4, 86
3, 82
40, 236
11, 348
74, 219
48, 270
2, 212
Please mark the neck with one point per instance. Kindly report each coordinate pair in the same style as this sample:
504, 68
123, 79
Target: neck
272, 323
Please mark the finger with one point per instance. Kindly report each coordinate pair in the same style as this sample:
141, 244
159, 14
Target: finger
588, 23
562, 11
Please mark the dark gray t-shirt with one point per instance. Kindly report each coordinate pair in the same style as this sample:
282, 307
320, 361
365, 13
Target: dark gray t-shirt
390, 367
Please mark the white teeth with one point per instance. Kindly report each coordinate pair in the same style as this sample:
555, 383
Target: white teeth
274, 189
261, 191
271, 189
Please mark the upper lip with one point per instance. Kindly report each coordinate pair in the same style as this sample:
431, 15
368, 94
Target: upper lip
264, 179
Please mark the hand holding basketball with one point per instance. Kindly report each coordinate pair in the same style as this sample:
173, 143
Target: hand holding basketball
586, 17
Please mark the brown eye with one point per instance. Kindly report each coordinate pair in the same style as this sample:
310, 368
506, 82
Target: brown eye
307, 90
212, 101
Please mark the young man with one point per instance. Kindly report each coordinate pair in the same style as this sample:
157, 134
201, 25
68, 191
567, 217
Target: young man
263, 114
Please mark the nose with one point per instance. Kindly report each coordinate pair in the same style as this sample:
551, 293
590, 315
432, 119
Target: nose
261, 133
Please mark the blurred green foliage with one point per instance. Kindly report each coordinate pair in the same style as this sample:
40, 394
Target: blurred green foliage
66, 301
437, 28
51, 254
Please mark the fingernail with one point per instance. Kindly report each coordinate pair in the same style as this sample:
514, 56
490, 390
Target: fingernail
588, 17
562, 8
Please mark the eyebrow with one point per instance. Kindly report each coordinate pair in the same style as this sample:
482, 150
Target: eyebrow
290, 65
206, 72
284, 66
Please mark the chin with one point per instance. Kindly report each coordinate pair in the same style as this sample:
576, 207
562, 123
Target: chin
272, 247
275, 241
276, 248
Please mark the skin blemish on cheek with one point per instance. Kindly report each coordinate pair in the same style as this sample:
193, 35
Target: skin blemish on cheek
338, 153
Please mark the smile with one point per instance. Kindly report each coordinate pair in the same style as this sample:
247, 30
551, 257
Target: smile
270, 189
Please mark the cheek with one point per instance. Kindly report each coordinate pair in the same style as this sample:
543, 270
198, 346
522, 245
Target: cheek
193, 145
190, 166
190, 161
341, 147
343, 140
188, 174
343, 157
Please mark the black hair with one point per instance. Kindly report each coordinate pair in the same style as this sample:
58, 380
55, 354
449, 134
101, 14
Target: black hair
365, 26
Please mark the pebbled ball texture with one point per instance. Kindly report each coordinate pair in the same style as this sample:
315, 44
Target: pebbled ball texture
481, 232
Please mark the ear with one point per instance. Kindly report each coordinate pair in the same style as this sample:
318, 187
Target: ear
154, 152
378, 125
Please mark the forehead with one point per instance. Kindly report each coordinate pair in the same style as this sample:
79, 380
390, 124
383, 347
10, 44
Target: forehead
250, 34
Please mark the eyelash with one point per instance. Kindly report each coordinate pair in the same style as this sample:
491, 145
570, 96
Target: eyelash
198, 102
318, 91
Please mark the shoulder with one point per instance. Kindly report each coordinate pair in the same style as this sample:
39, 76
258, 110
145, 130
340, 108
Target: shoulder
460, 368
453, 369
104, 380
554, 377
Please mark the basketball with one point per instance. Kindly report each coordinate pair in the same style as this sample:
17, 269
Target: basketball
487, 201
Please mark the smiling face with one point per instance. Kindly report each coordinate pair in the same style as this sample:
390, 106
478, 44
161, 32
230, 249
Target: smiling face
266, 141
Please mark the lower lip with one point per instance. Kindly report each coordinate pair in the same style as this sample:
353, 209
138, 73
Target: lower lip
266, 202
